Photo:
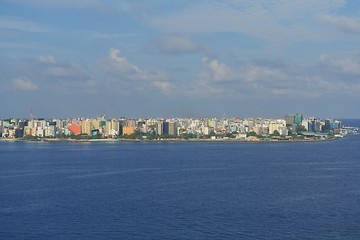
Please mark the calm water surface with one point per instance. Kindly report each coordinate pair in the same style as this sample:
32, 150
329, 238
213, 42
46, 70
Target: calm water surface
180, 190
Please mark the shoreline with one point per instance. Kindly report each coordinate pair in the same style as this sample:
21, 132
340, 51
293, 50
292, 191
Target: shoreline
111, 140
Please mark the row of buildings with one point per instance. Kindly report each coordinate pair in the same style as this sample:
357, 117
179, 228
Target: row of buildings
175, 127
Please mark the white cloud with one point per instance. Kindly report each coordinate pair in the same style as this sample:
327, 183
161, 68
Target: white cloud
46, 59
14, 23
268, 19
286, 80
163, 86
53, 76
204, 87
24, 84
216, 71
248, 79
319, 83
279, 91
57, 3
347, 65
17, 45
343, 23
103, 35
121, 67
257, 73
60, 71
294, 8
97, 6
176, 43
49, 67
126, 75
121, 64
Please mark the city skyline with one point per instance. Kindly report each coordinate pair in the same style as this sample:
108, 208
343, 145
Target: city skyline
291, 127
180, 59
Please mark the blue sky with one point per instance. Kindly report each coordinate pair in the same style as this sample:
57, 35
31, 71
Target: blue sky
199, 58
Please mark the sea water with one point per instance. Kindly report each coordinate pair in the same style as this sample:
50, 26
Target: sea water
181, 190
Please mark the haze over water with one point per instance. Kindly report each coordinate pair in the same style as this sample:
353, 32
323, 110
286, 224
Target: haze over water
303, 190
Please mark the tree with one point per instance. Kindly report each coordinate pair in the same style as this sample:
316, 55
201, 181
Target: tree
300, 128
211, 134
30, 137
187, 135
252, 133
230, 135
276, 133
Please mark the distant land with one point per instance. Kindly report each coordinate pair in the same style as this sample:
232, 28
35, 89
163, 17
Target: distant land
293, 127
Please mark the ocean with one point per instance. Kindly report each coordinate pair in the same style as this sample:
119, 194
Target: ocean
180, 190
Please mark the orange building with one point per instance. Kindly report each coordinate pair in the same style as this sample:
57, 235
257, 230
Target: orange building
75, 129
128, 130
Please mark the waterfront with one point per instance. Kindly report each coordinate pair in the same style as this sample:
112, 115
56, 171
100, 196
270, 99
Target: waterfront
180, 190
292, 127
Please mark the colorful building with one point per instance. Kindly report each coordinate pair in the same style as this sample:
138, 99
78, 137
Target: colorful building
74, 129
128, 130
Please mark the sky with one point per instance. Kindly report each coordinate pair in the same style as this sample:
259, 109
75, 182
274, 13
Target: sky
184, 58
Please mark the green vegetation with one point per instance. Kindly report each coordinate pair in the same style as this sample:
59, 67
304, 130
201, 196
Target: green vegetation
188, 136
275, 134
251, 134
230, 135
80, 136
300, 128
30, 137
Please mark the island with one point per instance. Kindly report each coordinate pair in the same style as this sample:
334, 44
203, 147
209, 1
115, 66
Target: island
291, 128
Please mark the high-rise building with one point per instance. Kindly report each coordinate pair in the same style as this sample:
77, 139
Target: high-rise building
289, 119
307, 124
276, 125
298, 119
159, 128
128, 130
95, 124
74, 129
86, 127
337, 124
172, 128
293, 119
166, 127
328, 124
316, 126
115, 125
111, 127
